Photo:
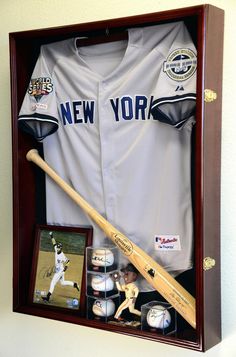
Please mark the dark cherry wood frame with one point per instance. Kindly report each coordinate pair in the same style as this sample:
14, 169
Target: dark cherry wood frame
206, 24
87, 232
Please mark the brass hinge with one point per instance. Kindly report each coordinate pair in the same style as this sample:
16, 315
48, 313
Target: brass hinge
208, 263
209, 95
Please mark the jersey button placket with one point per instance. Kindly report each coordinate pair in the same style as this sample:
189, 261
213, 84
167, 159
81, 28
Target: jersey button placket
106, 147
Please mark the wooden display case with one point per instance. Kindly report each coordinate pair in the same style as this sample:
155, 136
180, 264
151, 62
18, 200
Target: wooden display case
205, 24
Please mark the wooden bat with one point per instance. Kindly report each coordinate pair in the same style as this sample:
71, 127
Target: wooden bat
162, 281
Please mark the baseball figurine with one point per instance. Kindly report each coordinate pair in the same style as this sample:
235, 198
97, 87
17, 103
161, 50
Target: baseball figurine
61, 265
130, 288
115, 121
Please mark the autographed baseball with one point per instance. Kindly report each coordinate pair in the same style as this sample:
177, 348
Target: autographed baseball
102, 282
103, 308
158, 317
102, 258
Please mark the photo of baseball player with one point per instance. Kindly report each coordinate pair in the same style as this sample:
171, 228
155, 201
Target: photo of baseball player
129, 288
59, 271
61, 265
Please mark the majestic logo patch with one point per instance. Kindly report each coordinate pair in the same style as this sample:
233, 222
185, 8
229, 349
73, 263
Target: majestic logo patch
40, 86
181, 64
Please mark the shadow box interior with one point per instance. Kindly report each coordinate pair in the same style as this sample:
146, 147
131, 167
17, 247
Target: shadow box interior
205, 25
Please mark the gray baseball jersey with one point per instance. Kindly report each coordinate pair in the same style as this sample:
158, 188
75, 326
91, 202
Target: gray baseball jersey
115, 120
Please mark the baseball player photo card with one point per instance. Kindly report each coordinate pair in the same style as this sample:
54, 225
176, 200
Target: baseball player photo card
58, 267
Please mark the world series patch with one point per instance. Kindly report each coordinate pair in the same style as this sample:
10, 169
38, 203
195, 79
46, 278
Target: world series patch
180, 65
40, 86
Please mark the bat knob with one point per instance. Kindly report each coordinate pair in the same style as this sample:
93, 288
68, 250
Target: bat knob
31, 153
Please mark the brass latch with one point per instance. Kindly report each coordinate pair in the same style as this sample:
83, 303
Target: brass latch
209, 95
208, 263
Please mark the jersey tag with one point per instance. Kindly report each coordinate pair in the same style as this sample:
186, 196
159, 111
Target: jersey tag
39, 106
167, 242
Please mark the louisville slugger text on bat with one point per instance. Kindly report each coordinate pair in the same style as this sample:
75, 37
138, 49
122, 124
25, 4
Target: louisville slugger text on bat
161, 280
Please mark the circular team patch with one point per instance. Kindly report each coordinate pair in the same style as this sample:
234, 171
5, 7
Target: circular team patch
181, 64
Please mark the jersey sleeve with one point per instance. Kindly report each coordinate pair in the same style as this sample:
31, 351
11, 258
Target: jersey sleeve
175, 98
38, 114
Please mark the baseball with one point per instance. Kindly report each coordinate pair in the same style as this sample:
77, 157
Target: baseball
158, 317
102, 283
102, 258
103, 308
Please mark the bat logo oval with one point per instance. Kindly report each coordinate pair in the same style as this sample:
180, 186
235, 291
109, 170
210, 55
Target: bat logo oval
124, 244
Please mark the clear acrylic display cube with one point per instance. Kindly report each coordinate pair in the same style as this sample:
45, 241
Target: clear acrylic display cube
102, 259
158, 317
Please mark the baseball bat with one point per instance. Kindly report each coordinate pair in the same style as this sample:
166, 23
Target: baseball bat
161, 280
